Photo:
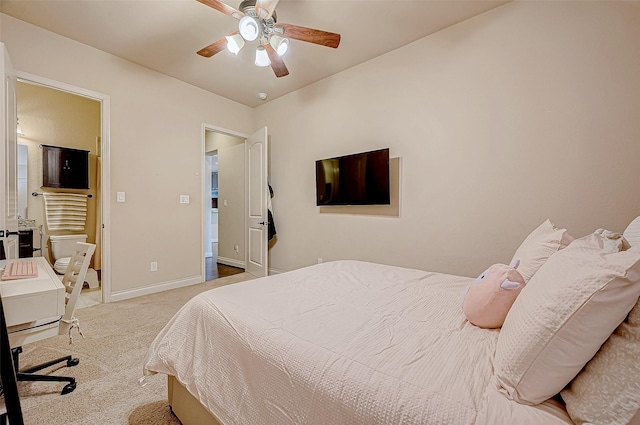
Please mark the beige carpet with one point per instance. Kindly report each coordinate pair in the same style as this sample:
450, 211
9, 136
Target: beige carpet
111, 357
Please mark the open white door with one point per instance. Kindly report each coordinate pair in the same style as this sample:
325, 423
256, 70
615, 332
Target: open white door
8, 149
257, 232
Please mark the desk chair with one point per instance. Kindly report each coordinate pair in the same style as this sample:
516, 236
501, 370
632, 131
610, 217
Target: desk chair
36, 331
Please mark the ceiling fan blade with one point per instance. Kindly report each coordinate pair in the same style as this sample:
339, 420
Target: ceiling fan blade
215, 47
277, 64
221, 7
310, 35
265, 8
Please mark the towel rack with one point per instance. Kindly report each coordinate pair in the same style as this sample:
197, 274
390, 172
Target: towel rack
40, 194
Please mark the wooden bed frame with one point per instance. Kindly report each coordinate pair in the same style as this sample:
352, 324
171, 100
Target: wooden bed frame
186, 407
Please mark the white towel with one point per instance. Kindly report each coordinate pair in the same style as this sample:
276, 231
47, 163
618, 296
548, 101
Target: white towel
65, 211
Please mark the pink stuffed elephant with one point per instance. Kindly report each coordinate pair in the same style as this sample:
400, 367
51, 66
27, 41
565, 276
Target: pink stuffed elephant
490, 297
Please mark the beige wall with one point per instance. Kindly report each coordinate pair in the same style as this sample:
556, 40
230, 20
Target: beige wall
527, 112
57, 118
156, 151
231, 218
231, 227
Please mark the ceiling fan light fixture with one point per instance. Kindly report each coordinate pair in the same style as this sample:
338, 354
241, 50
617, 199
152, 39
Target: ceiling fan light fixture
262, 58
257, 22
234, 43
279, 44
249, 28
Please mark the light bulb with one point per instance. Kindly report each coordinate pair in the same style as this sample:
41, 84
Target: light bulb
262, 58
234, 43
279, 44
249, 28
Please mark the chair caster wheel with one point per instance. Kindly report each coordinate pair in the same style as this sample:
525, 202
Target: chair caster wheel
68, 388
72, 362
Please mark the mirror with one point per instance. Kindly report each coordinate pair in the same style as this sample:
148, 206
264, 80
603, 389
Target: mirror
22, 181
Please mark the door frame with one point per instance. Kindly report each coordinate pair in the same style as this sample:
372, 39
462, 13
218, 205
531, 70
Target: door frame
105, 189
8, 157
210, 127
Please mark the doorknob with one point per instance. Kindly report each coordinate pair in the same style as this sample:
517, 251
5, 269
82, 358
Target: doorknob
264, 223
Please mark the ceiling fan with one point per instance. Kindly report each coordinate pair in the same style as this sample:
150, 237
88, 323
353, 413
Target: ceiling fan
258, 21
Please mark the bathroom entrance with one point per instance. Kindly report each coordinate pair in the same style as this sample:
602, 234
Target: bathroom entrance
77, 115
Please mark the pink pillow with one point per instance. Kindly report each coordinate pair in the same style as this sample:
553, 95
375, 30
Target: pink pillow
490, 297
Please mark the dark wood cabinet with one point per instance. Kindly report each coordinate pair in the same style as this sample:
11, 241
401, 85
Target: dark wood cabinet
65, 168
25, 243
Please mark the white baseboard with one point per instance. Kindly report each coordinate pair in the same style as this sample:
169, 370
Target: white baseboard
152, 289
240, 264
231, 262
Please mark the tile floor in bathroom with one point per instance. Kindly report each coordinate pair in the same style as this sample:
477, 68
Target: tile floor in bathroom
89, 297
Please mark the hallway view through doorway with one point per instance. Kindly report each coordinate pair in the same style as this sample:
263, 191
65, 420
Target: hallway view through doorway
215, 270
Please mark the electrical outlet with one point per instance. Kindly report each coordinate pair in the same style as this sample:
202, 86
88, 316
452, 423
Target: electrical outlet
320, 260
184, 199
154, 266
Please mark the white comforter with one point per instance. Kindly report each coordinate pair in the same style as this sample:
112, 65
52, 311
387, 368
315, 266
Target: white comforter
344, 342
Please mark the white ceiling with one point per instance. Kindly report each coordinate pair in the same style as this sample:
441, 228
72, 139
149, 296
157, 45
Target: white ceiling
165, 35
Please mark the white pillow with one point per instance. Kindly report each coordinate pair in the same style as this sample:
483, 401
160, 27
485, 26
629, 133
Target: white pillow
564, 314
543, 242
632, 232
607, 391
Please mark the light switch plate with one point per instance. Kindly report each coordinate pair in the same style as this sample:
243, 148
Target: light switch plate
120, 196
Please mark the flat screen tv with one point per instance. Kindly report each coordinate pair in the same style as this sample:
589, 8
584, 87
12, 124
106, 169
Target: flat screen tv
358, 179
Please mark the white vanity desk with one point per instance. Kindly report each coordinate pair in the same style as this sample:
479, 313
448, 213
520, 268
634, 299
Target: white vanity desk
35, 299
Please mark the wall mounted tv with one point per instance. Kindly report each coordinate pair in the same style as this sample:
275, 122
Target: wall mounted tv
358, 179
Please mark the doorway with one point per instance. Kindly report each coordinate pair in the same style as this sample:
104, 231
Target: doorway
41, 127
211, 216
224, 203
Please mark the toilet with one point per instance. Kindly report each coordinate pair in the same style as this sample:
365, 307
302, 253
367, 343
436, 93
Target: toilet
62, 247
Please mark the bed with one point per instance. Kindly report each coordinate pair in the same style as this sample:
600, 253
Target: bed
352, 342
